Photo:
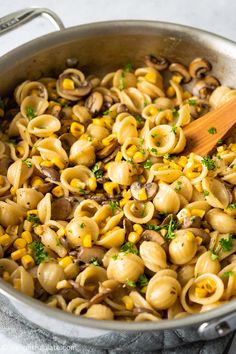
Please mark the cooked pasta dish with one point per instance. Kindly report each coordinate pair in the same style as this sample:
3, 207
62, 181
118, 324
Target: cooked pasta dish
102, 214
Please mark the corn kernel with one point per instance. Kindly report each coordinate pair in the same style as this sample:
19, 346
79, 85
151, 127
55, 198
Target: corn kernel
153, 110
110, 138
19, 243
38, 230
190, 236
92, 184
232, 147
142, 194
107, 165
27, 261
53, 136
198, 212
151, 77
27, 236
186, 95
6, 275
190, 174
27, 226
20, 149
87, 240
138, 155
12, 191
46, 163
32, 212
58, 163
198, 187
207, 230
209, 285
200, 292
126, 194
18, 254
76, 183
119, 156
123, 202
98, 121
131, 150
175, 166
182, 161
68, 84
36, 181
170, 92
64, 262
111, 188
128, 301
177, 78
134, 237
142, 179
138, 228
5, 240
61, 232
199, 240
76, 129
63, 284
58, 191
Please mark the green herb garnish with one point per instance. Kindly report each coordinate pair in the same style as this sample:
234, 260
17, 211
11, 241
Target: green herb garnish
219, 142
206, 193
212, 130
141, 141
13, 141
226, 243
82, 225
105, 113
115, 257
114, 206
122, 81
171, 227
138, 118
129, 68
128, 247
82, 191
166, 156
147, 164
192, 102
174, 128
178, 186
34, 219
142, 280
175, 113
228, 274
214, 255
98, 172
154, 135
208, 162
30, 113
197, 275
28, 163
153, 150
38, 252
231, 206
131, 283
94, 261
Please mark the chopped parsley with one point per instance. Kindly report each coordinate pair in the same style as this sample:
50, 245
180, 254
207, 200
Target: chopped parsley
166, 156
34, 219
105, 113
214, 255
153, 150
178, 186
197, 275
219, 142
231, 206
192, 102
28, 163
226, 243
138, 118
130, 159
82, 191
122, 81
147, 164
175, 113
115, 257
114, 206
128, 247
212, 130
129, 68
142, 280
145, 103
174, 128
94, 261
141, 141
171, 227
154, 135
208, 162
38, 252
228, 274
82, 225
206, 193
98, 172
30, 112
131, 283
13, 141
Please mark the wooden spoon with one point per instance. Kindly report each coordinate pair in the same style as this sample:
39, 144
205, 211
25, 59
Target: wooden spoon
203, 133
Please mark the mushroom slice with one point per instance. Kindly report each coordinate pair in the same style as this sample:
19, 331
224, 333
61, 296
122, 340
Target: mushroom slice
86, 254
50, 172
67, 140
199, 67
94, 102
60, 209
143, 192
107, 150
151, 235
180, 70
200, 108
72, 84
206, 86
44, 187
159, 63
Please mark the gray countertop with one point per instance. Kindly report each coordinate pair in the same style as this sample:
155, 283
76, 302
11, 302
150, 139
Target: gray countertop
212, 15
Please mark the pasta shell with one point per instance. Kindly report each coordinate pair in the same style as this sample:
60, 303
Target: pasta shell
37, 104
75, 232
221, 221
166, 199
219, 196
25, 280
126, 267
49, 274
82, 152
44, 125
153, 255
28, 198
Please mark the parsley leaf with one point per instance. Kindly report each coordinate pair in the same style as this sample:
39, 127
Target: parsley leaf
228, 274
174, 128
154, 135
171, 227
209, 163
82, 191
82, 225
175, 113
98, 172
38, 252
142, 280
212, 130
138, 118
122, 81
131, 283
34, 219
219, 142
115, 257
13, 141
192, 102
214, 256
30, 112
94, 261
147, 164
206, 193
114, 206
28, 163
226, 243
231, 206
166, 156
178, 186
128, 247
129, 68
105, 113
153, 150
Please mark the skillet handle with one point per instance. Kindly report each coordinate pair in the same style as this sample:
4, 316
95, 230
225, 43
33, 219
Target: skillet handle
15, 19
218, 328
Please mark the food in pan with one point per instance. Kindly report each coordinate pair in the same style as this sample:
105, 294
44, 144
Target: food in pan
101, 212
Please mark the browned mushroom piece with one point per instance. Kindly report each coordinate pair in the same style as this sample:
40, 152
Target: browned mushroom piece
111, 156
151, 235
68, 294
60, 209
94, 102
5, 162
206, 86
122, 108
67, 140
159, 63
138, 310
180, 70
45, 187
199, 67
50, 172
65, 243
86, 294
200, 108
150, 189
107, 150
128, 225
192, 221
86, 254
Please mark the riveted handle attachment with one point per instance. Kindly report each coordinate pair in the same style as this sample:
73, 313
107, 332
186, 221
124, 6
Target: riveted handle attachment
219, 328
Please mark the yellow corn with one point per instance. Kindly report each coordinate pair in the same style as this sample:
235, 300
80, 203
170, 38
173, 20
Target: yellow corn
142, 179
17, 284
18, 254
2, 232
19, 243
138, 228
177, 78
186, 95
119, 156
20, 149
61, 232
169, 116
126, 194
12, 191
32, 212
138, 155
98, 121
142, 194
131, 150
53, 136
6, 275
190, 174
221, 148
182, 161
108, 122
58, 191
64, 262
151, 77
106, 141
5, 240
111, 188
58, 163
27, 261
207, 230
76, 183
107, 165
199, 240
190, 236
232, 147
200, 292
38, 230
76, 129
170, 92
92, 184
175, 166
134, 237
27, 236
87, 240
46, 163
209, 285
128, 301
27, 226
153, 110
63, 284
198, 212
123, 202
68, 84
36, 181
198, 187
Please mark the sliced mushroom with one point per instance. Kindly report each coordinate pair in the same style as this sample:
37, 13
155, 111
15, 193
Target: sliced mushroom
180, 70
61, 209
159, 63
68, 294
206, 86
50, 172
45, 187
86, 294
193, 221
67, 140
199, 67
151, 235
200, 108
111, 156
128, 225
138, 310
122, 108
94, 102
150, 189
85, 254
5, 162
107, 150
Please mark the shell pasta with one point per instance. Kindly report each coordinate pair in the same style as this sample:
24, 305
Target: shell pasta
102, 214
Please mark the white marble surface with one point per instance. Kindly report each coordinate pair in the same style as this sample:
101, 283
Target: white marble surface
213, 15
